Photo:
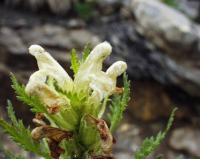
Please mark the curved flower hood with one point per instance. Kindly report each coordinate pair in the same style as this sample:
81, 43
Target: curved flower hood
89, 76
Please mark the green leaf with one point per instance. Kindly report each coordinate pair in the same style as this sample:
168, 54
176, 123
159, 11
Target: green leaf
86, 52
32, 101
171, 3
84, 10
89, 135
75, 61
119, 104
20, 134
75, 64
150, 144
9, 155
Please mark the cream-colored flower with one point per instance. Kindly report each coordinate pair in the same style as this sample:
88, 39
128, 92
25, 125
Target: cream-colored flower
46, 62
93, 64
89, 76
103, 84
48, 68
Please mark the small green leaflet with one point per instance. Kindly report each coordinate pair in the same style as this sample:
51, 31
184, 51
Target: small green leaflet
20, 134
75, 61
150, 144
119, 104
32, 101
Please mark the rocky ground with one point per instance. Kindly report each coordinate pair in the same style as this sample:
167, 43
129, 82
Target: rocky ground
160, 43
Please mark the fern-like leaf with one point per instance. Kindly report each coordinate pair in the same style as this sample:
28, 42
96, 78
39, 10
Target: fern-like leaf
86, 52
119, 104
75, 63
32, 101
20, 134
150, 144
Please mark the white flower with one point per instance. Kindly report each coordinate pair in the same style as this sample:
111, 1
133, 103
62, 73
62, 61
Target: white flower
48, 67
89, 76
93, 64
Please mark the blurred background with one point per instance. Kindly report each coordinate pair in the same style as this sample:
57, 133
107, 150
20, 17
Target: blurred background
159, 40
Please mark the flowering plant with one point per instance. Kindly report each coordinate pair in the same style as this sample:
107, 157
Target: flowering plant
70, 112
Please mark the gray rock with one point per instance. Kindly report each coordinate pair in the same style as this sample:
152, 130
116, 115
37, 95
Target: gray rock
108, 2
124, 155
56, 6
186, 138
130, 140
58, 37
145, 61
11, 42
168, 28
190, 8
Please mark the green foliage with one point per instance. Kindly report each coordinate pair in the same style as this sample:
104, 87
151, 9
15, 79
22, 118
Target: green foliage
89, 135
20, 134
171, 3
84, 9
75, 62
86, 52
180, 157
32, 101
9, 155
150, 144
79, 116
119, 104
71, 148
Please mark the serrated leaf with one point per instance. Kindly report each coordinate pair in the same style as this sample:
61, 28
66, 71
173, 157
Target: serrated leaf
32, 101
20, 134
119, 104
75, 61
86, 52
75, 64
150, 144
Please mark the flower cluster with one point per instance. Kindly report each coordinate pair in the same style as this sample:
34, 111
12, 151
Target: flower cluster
70, 112
74, 106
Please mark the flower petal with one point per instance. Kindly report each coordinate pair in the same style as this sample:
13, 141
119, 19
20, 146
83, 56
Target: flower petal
101, 85
46, 62
37, 86
93, 64
116, 69
104, 84
48, 67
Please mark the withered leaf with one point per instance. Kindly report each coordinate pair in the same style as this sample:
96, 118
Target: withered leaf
39, 116
52, 133
53, 109
38, 122
55, 150
105, 134
54, 136
118, 90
